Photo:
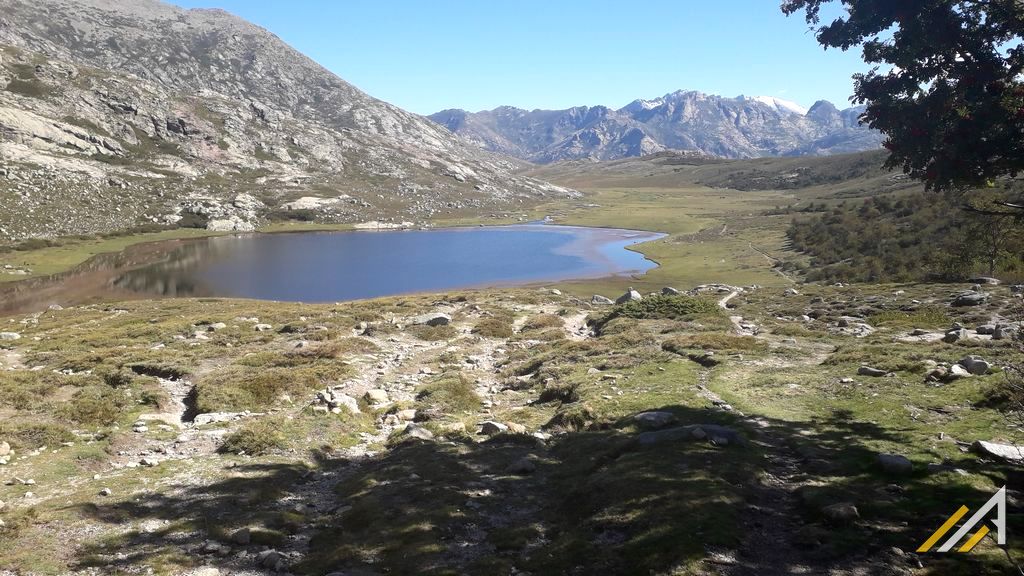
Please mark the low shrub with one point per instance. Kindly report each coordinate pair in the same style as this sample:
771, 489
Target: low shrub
256, 437
493, 328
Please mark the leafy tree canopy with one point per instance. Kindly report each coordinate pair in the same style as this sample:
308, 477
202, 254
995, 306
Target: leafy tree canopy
947, 89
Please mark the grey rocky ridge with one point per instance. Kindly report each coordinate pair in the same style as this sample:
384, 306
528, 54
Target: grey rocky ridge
115, 114
741, 127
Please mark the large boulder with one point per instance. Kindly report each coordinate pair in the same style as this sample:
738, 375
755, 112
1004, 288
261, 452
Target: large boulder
1008, 452
975, 365
631, 295
654, 419
895, 464
970, 299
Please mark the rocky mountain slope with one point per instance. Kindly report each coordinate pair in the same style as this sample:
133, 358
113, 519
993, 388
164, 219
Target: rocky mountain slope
741, 127
119, 113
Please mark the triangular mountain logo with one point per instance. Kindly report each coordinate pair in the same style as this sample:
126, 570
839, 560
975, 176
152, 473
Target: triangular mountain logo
998, 502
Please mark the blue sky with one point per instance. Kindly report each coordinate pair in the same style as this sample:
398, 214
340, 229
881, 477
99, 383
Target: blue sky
427, 55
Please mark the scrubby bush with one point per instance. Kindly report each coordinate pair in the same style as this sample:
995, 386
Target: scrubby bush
256, 437
543, 321
493, 328
451, 393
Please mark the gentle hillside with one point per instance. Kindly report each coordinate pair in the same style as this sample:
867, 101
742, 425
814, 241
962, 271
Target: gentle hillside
117, 114
741, 127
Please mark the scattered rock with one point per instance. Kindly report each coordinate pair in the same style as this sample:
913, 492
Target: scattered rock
986, 329
377, 396
149, 462
841, 512
407, 415
417, 431
791, 292
654, 419
490, 428
975, 365
5, 449
869, 371
985, 280
970, 299
515, 428
1007, 452
270, 559
957, 371
599, 300
523, 465
722, 434
955, 335
9, 336
432, 319
106, 492
631, 295
263, 327
242, 536
895, 464
670, 291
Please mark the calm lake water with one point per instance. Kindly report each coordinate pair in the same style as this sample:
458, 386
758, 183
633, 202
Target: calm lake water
336, 266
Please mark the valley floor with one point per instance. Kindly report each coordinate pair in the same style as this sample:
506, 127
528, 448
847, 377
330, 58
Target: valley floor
732, 431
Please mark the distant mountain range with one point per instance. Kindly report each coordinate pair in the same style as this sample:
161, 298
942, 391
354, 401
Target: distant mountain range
741, 127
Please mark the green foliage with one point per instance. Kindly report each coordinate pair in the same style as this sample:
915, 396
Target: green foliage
95, 405
913, 237
945, 85
713, 341
661, 307
251, 388
925, 317
32, 434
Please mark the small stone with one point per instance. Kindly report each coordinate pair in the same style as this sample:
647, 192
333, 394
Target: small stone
269, 559
242, 536
5, 449
957, 371
599, 300
407, 415
149, 462
490, 428
522, 466
841, 512
955, 335
9, 336
377, 396
895, 464
870, 371
263, 327
515, 428
654, 419
417, 431
106, 492
670, 291
217, 326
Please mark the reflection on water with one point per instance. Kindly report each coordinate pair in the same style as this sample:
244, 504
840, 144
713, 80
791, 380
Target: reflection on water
335, 266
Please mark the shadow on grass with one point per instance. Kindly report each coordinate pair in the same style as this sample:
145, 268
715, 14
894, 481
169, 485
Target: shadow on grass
597, 501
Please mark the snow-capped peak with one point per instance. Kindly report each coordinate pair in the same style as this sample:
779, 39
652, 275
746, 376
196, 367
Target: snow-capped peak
781, 104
